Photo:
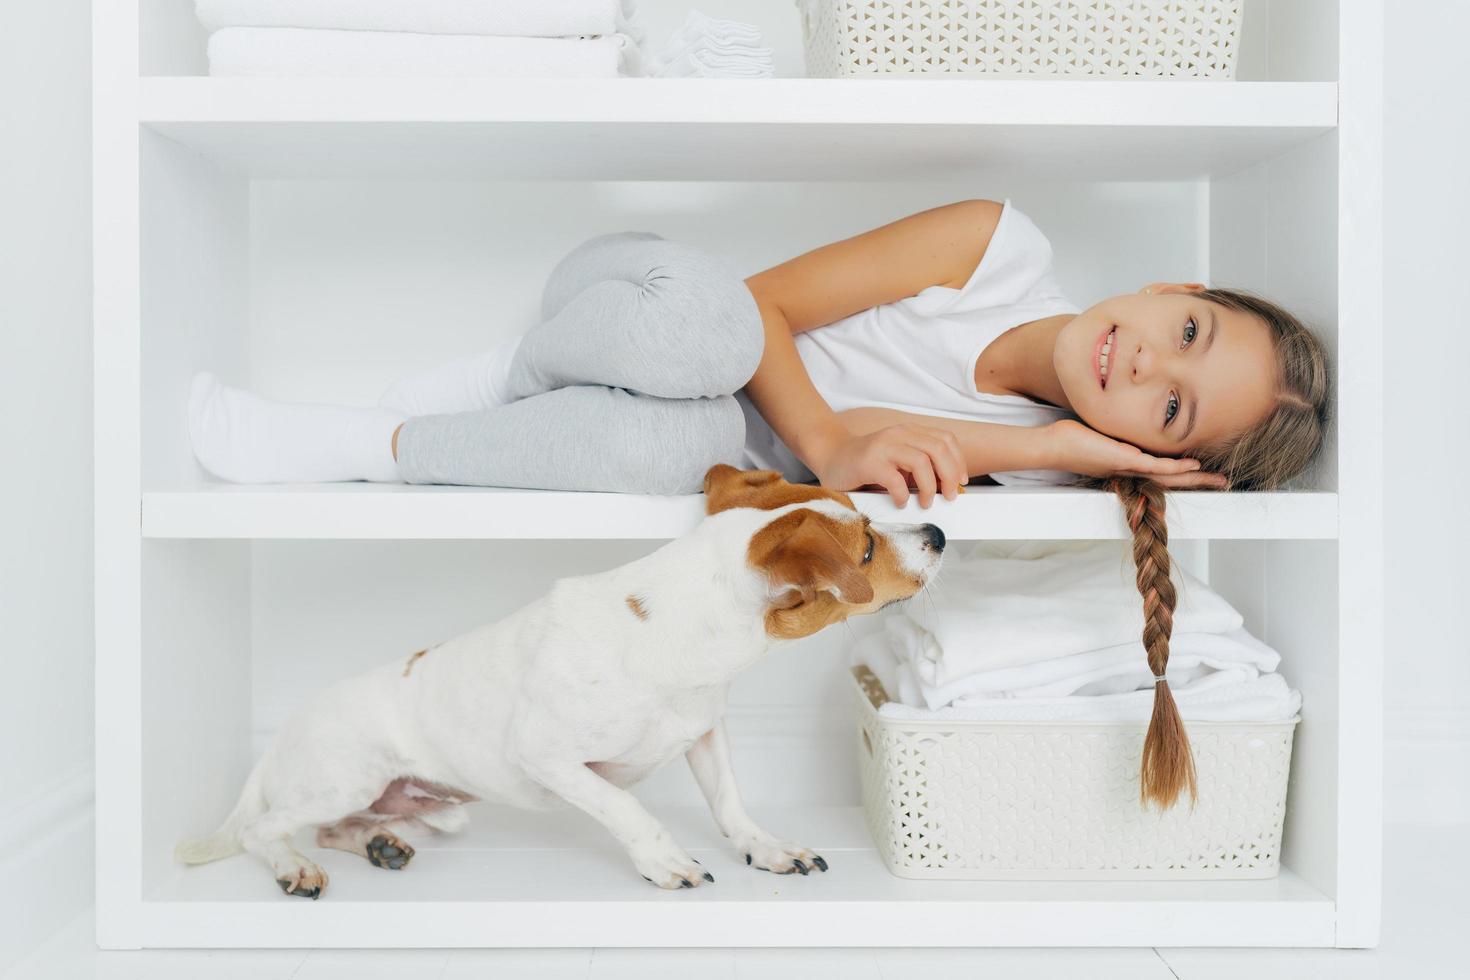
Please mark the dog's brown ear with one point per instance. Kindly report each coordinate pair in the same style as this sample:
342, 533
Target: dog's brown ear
802, 557
726, 487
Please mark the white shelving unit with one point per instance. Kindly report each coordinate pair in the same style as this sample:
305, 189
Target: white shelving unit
316, 238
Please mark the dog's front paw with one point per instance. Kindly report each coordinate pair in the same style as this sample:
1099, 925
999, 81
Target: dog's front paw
780, 856
667, 866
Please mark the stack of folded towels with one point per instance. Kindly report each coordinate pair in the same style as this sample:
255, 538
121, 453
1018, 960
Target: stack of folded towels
1032, 631
708, 48
347, 38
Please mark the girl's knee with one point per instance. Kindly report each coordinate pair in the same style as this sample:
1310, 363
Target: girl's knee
713, 432
727, 439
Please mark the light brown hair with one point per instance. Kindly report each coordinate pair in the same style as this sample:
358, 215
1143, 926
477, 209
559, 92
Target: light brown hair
1167, 767
1279, 446
1264, 457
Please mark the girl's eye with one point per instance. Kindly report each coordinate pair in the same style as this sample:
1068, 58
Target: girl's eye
868, 555
1172, 409
1191, 330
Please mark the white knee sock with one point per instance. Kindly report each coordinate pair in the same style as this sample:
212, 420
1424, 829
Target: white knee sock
245, 438
466, 384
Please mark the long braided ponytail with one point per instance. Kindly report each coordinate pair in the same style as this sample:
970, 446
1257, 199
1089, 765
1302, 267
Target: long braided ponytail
1168, 763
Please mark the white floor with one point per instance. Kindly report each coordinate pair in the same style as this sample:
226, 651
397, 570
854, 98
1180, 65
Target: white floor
1426, 904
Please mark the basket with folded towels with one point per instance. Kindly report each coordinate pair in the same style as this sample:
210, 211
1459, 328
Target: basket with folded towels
1001, 720
1022, 38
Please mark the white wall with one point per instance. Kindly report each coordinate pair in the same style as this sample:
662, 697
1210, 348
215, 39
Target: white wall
1426, 354
46, 487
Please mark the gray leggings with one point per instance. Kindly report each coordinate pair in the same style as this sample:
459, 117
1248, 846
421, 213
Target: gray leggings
627, 384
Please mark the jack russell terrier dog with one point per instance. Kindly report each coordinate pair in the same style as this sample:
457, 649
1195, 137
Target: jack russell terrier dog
581, 694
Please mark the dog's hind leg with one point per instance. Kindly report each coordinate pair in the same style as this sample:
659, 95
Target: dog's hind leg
269, 838
406, 805
372, 836
447, 819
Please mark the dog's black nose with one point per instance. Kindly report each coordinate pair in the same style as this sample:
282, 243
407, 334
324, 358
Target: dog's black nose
933, 537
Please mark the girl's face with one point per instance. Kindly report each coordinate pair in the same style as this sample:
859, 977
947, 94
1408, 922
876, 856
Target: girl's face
1180, 372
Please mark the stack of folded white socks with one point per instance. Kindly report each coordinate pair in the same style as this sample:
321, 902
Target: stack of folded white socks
708, 48
367, 38
1050, 630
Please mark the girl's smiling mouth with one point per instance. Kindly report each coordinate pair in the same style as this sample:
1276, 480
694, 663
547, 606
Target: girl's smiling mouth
1101, 356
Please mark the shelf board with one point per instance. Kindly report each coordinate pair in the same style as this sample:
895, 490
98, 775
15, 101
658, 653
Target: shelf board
378, 511
517, 878
769, 129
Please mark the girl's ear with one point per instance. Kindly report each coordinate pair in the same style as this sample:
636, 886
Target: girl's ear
1160, 288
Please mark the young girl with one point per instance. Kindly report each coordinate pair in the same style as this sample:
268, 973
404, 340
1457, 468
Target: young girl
929, 351
932, 350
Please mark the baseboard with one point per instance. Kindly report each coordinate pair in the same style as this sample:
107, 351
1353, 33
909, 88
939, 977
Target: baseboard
1425, 776
47, 865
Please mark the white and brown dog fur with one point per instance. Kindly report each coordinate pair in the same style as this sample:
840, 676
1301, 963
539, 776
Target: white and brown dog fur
581, 694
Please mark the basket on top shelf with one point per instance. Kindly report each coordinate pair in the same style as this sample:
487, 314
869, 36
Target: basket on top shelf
1111, 38
1059, 799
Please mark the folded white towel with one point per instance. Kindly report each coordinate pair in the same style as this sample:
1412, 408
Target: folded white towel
717, 49
891, 653
704, 47
698, 25
286, 51
698, 64
1224, 695
505, 18
1051, 630
1054, 601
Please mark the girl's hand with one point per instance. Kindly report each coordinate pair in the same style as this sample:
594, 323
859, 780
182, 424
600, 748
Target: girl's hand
889, 456
1076, 448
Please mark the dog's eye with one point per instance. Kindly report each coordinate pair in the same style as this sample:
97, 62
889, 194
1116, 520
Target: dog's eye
868, 555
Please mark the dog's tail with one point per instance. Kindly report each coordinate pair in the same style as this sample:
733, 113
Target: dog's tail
225, 842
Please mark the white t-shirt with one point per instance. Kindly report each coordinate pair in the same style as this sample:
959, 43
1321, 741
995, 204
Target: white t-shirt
918, 354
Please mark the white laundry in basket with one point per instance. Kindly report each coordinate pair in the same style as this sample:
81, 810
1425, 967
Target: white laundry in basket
891, 652
1238, 694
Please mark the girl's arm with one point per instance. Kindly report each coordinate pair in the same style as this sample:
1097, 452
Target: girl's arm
989, 447
942, 246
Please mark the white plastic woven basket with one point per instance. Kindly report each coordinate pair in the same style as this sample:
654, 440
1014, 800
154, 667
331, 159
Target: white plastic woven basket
1058, 799
1149, 38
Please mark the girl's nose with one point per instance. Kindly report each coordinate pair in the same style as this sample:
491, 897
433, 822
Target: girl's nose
1141, 368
